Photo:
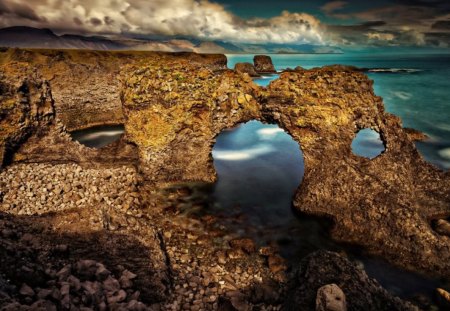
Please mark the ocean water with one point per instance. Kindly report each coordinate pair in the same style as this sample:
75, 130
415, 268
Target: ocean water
98, 136
414, 87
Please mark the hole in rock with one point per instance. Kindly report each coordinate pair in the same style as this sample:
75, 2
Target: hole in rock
98, 136
259, 168
367, 143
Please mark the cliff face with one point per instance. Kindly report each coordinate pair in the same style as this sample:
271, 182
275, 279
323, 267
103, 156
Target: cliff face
174, 105
86, 84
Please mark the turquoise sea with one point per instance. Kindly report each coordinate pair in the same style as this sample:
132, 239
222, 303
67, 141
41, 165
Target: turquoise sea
414, 87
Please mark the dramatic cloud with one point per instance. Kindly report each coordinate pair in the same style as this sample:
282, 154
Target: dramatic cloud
335, 8
400, 23
201, 19
349, 23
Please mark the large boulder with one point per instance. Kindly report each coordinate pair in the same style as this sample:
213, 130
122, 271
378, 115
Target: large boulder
246, 68
311, 286
263, 64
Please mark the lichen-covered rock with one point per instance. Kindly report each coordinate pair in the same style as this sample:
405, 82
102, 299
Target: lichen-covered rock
175, 109
26, 103
246, 68
263, 64
322, 268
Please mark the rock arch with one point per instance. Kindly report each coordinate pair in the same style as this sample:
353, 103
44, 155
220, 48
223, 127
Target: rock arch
384, 205
175, 104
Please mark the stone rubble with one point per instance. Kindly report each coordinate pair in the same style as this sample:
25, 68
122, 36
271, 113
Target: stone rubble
42, 188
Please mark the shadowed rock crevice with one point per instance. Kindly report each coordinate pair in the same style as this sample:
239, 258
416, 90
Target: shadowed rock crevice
41, 255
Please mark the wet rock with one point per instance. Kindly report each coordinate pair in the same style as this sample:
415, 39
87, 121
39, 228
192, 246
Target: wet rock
443, 227
324, 268
330, 298
86, 269
126, 279
246, 68
443, 298
276, 264
263, 64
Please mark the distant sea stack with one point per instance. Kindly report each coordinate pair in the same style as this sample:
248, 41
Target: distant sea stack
263, 64
246, 68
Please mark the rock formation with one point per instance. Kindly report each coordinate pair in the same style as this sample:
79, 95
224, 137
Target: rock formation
263, 64
317, 273
174, 105
322, 109
246, 68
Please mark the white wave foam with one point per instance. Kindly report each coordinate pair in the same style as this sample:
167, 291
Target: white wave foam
394, 70
97, 135
402, 95
269, 133
445, 153
244, 154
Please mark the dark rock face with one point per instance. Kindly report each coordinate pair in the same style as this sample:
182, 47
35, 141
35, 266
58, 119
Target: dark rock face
263, 64
323, 268
246, 68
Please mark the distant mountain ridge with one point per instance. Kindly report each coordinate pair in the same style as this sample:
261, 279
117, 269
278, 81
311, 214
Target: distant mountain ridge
29, 37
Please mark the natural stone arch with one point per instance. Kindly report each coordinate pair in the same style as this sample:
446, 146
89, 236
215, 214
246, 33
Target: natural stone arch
174, 115
383, 204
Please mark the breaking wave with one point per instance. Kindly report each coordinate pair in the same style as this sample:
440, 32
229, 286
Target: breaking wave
243, 154
393, 70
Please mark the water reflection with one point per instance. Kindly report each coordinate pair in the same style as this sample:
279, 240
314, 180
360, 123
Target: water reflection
367, 143
259, 168
98, 136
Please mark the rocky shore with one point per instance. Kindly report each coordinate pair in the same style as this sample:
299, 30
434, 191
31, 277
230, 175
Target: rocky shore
108, 229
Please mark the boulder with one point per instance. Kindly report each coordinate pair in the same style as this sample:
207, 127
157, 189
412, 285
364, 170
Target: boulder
246, 68
330, 298
263, 64
324, 276
443, 227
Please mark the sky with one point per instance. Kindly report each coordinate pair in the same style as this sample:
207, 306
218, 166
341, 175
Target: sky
342, 23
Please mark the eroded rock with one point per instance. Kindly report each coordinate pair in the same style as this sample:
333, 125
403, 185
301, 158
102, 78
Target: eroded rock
310, 287
246, 68
330, 298
263, 64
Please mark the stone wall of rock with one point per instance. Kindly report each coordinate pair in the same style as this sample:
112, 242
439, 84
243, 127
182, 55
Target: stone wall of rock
174, 110
86, 84
384, 204
26, 104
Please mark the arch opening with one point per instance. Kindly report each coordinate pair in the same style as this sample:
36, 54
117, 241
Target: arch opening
259, 168
368, 143
98, 136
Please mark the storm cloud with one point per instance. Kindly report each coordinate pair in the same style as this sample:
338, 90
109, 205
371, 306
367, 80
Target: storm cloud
348, 23
201, 19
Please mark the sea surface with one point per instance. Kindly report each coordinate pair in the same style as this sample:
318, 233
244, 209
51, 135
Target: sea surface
260, 166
